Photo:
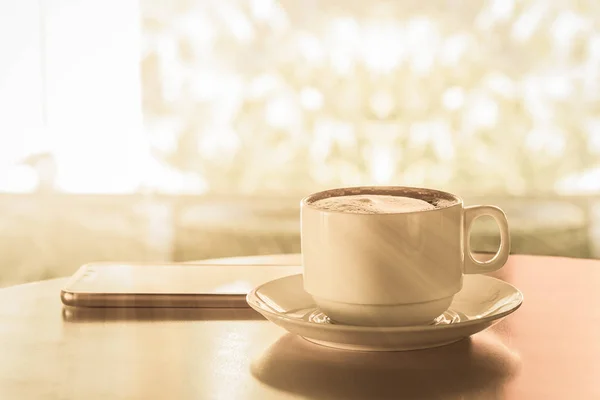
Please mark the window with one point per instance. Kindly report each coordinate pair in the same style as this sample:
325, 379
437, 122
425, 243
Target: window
177, 130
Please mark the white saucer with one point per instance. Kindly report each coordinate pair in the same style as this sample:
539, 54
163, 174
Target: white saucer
482, 302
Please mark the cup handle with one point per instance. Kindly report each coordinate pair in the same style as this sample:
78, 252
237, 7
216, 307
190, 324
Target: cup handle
472, 266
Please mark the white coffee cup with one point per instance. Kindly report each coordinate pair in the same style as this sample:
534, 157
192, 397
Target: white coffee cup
392, 269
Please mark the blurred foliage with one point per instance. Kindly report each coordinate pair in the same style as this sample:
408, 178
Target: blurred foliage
264, 96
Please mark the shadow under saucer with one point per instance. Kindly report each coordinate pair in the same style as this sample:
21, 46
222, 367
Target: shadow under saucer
474, 368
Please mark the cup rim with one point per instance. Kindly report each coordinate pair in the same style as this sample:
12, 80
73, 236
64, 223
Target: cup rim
355, 190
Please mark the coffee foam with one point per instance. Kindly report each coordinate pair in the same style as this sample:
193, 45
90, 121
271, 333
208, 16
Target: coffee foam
372, 204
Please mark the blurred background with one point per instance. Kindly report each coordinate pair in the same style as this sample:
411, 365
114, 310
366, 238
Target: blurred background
155, 130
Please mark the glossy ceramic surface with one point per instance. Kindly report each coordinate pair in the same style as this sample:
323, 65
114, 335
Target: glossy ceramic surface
412, 263
482, 301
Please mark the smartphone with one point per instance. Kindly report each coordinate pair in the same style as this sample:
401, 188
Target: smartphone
168, 285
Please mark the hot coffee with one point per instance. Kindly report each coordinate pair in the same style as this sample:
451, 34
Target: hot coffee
372, 204
390, 256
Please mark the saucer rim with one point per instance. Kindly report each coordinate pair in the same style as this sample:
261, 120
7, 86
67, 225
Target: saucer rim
254, 301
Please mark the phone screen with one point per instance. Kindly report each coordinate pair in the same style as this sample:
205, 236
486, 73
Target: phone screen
174, 278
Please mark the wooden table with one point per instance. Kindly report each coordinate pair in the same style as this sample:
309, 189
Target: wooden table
549, 349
